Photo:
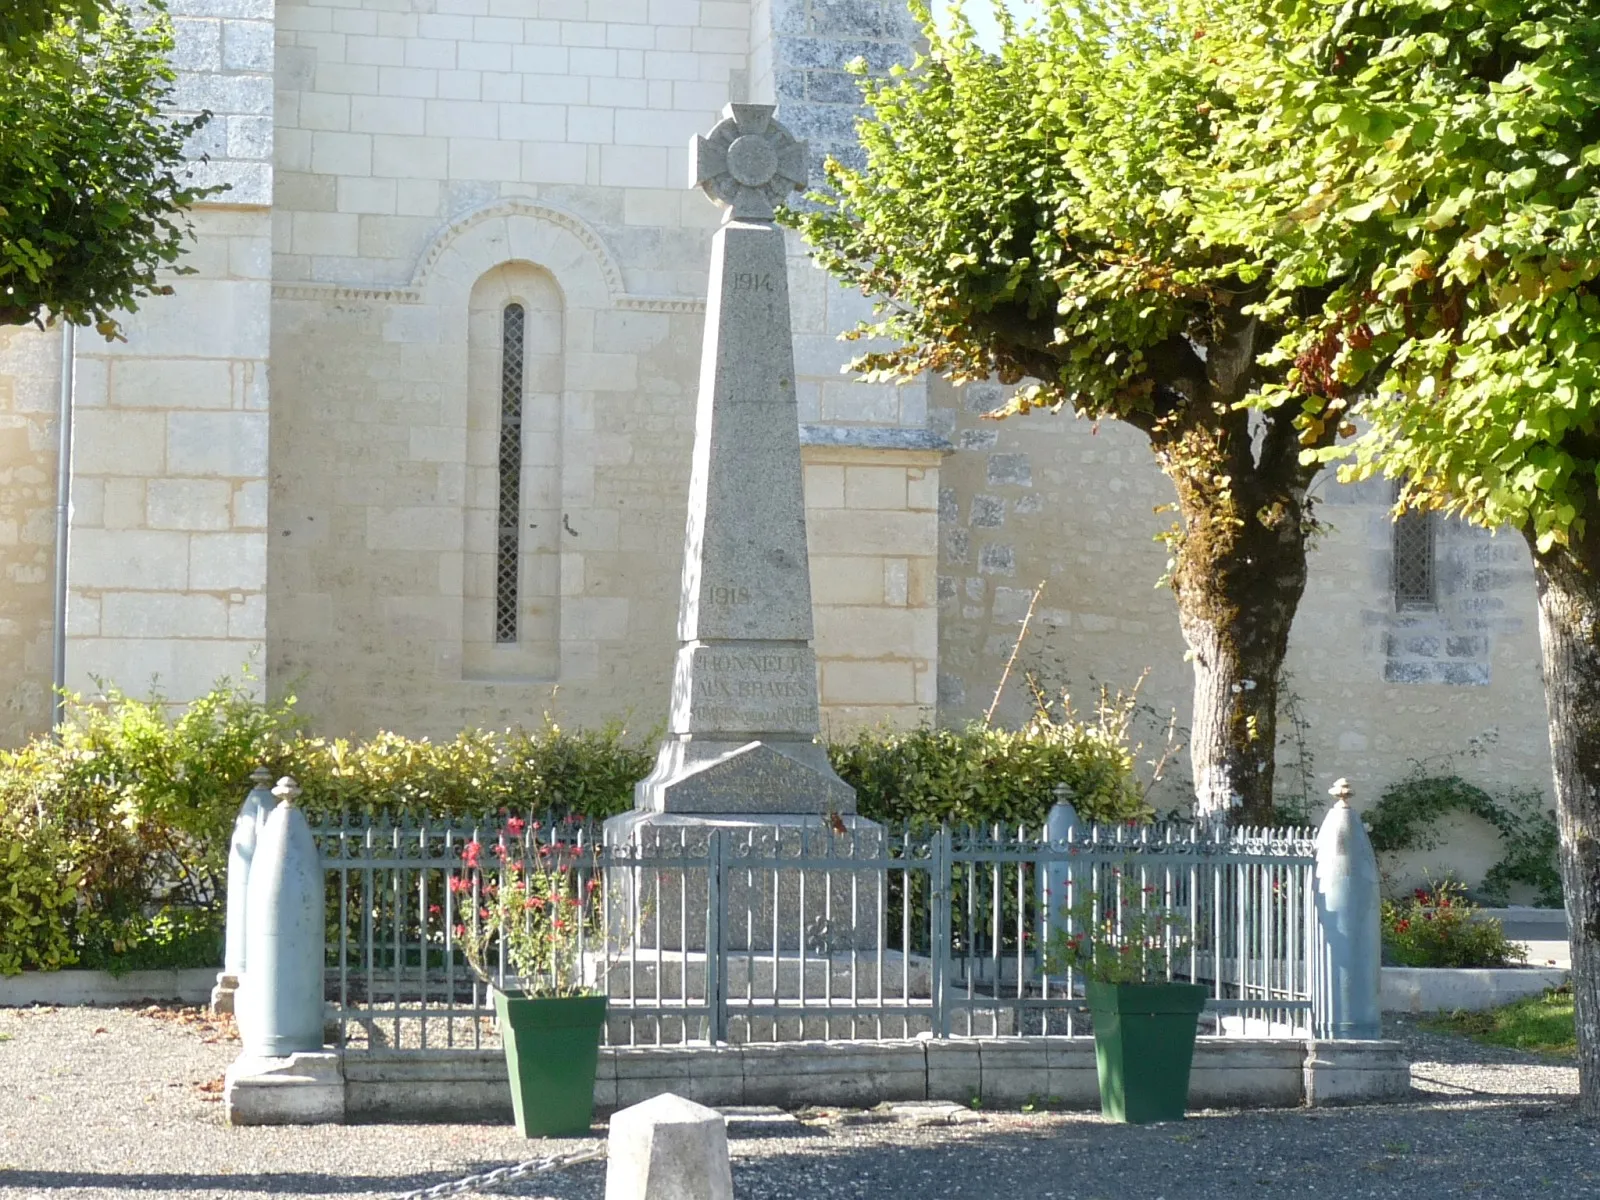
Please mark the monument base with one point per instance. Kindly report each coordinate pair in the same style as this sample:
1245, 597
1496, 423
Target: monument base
702, 775
297, 1089
662, 867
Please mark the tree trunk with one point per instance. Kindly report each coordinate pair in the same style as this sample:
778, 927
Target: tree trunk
1239, 571
1569, 633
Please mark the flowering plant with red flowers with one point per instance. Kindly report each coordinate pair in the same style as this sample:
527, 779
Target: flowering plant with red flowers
1438, 926
528, 911
1120, 933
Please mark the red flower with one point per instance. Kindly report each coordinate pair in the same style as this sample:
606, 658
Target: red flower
1402, 925
459, 884
461, 931
497, 850
515, 826
533, 902
434, 910
470, 853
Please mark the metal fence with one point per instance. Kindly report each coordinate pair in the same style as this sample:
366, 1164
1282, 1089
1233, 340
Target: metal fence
796, 932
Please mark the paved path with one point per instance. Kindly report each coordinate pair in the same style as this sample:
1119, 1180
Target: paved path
108, 1104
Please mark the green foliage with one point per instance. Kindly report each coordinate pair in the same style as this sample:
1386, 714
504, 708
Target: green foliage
588, 772
534, 905
1543, 1024
1430, 173
135, 806
172, 939
1027, 210
982, 776
39, 893
1435, 926
1408, 816
23, 21
93, 184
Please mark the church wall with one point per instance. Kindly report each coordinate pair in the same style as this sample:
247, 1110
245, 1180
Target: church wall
167, 559
29, 398
1053, 499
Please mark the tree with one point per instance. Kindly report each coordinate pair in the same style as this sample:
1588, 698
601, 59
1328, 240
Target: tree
93, 182
24, 20
1432, 168
1026, 214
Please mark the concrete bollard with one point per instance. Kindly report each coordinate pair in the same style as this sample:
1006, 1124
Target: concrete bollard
280, 1000
1056, 873
668, 1148
1351, 952
258, 804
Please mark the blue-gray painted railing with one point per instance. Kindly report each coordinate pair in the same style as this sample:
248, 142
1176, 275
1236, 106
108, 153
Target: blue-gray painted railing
867, 935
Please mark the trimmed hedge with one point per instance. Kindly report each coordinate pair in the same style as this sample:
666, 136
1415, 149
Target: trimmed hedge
114, 841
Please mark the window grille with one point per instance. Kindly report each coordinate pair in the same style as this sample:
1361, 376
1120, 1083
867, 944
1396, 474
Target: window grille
510, 515
1414, 583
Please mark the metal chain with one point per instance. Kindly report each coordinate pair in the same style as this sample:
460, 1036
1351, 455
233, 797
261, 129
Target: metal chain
503, 1176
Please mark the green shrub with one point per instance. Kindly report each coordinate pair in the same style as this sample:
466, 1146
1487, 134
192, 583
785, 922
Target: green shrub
173, 939
589, 773
980, 776
1437, 927
39, 895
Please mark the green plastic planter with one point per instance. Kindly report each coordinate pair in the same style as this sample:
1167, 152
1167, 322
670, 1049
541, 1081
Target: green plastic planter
1144, 1046
552, 1049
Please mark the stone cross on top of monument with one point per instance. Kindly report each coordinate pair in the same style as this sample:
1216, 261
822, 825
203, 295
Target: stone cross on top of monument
742, 733
749, 163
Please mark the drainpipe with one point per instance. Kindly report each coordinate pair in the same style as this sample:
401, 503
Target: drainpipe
58, 678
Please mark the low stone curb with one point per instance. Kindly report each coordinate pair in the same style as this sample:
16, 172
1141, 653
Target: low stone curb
1460, 989
101, 989
465, 1085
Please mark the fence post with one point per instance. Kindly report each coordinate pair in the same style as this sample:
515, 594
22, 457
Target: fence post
716, 942
258, 804
1055, 870
939, 917
1350, 951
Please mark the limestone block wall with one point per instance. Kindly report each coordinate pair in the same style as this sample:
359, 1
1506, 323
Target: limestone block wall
1054, 499
30, 363
167, 562
392, 120
871, 516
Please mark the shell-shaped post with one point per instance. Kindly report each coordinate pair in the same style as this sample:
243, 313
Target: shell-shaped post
1350, 952
280, 1000
258, 803
1060, 825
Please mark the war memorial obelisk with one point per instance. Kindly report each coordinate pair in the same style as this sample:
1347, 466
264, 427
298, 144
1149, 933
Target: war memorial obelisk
741, 749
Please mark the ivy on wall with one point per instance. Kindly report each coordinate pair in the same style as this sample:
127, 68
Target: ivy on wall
1409, 816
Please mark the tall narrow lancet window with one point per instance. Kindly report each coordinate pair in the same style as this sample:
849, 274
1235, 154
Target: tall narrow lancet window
511, 491
1414, 583
508, 527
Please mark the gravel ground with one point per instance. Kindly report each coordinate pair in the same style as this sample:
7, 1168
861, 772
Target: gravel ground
106, 1103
